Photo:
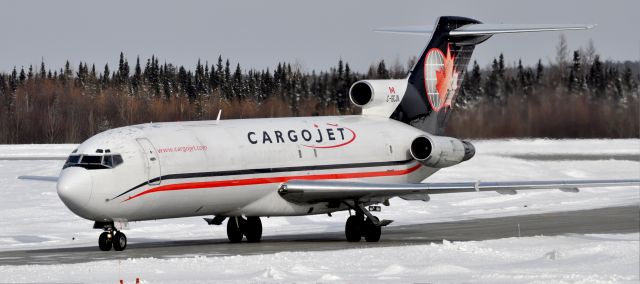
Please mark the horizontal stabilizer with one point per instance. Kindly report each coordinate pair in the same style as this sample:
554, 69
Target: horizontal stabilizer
415, 30
485, 29
491, 29
40, 178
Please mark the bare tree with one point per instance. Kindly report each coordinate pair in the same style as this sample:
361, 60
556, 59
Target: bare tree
562, 53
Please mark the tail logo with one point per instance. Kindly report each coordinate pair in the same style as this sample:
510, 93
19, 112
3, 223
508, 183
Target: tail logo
440, 78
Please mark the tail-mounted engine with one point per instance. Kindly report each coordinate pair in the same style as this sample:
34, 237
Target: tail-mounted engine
441, 151
377, 97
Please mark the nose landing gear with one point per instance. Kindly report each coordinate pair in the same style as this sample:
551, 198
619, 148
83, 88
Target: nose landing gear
115, 239
105, 241
111, 237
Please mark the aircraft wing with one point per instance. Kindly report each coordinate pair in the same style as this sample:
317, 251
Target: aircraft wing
309, 191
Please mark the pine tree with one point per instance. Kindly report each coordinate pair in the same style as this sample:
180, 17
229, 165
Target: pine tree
200, 79
190, 89
494, 82
3, 88
23, 76
30, 74
67, 70
266, 84
214, 82
575, 74
93, 75
105, 74
123, 70
539, 72
219, 73
595, 80
382, 71
238, 92
136, 81
166, 82
627, 80
183, 81
475, 82
13, 80
43, 71
226, 82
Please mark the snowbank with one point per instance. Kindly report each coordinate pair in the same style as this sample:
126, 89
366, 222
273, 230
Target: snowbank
559, 259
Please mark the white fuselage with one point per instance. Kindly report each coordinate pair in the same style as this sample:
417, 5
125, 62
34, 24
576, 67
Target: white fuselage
235, 167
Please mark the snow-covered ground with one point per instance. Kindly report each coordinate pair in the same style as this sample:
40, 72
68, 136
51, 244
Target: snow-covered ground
33, 218
559, 259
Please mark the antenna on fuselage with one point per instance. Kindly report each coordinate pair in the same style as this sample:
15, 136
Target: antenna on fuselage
218, 118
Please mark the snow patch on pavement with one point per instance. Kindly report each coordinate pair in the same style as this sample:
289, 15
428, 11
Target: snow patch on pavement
569, 258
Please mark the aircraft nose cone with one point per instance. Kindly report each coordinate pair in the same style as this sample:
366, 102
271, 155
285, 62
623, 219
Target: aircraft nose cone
74, 188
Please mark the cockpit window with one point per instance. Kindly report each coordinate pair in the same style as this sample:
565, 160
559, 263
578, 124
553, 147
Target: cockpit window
91, 159
73, 159
117, 160
93, 162
108, 161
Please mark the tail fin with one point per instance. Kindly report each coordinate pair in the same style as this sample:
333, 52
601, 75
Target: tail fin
434, 81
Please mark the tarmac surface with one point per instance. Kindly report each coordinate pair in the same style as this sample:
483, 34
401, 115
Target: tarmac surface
595, 221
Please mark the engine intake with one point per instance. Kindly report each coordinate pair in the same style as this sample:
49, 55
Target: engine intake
440, 151
361, 93
377, 97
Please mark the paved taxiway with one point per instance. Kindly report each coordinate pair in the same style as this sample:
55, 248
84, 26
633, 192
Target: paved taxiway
604, 220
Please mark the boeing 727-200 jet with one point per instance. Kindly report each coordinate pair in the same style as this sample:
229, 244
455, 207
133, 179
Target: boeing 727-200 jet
241, 170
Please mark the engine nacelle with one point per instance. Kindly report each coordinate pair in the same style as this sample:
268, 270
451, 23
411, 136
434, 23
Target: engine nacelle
377, 97
440, 151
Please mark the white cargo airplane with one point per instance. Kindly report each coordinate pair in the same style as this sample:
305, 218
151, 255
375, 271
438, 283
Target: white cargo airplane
241, 170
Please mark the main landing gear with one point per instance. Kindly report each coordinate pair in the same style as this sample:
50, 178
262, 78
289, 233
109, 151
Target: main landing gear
110, 237
358, 226
238, 228
251, 228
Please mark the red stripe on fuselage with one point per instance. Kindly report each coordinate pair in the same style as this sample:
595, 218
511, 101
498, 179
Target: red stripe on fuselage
266, 180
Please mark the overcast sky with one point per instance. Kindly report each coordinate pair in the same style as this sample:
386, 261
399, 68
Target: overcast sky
315, 34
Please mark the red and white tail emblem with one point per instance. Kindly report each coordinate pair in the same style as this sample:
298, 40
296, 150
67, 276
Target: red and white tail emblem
440, 78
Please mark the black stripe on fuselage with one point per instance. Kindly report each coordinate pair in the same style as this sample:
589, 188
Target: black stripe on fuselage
266, 171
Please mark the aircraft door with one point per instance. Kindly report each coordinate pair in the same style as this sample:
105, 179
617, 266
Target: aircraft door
152, 161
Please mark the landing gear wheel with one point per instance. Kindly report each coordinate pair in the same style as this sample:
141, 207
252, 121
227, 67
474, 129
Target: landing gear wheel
234, 233
252, 229
119, 241
353, 228
371, 231
104, 241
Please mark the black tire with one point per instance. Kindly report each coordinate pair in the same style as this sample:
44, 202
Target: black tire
119, 241
234, 233
353, 229
371, 231
104, 242
252, 229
